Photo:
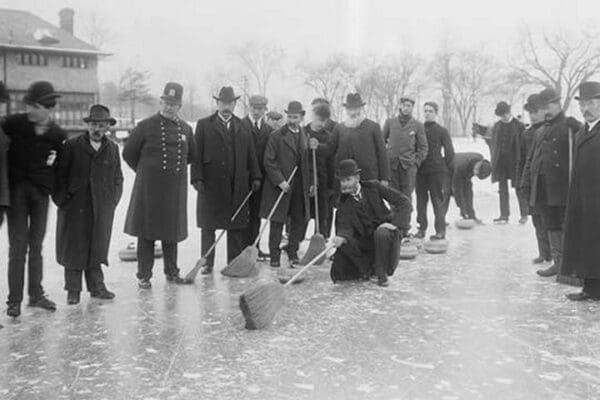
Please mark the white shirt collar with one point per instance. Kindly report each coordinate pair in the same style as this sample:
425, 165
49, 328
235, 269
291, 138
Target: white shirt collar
593, 124
223, 118
256, 121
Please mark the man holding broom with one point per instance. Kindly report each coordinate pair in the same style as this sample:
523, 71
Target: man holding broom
368, 233
225, 170
286, 149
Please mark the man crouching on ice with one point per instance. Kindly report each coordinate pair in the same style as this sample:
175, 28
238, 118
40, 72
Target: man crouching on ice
368, 233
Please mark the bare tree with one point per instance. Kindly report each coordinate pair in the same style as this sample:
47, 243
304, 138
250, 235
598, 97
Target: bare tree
560, 60
96, 29
443, 74
261, 61
134, 89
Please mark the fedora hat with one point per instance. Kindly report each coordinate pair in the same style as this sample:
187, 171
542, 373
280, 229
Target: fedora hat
258, 101
548, 96
173, 93
347, 168
534, 102
41, 92
588, 90
99, 113
226, 95
295, 107
410, 99
4, 96
353, 100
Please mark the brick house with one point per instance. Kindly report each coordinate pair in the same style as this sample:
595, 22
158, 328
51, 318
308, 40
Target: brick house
33, 49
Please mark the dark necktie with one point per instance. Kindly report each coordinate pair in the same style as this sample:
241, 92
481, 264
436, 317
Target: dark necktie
256, 125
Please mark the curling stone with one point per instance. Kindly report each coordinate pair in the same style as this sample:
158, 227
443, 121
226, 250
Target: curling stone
436, 246
408, 251
465, 224
129, 253
418, 243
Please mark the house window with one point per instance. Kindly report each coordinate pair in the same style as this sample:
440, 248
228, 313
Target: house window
74, 62
35, 59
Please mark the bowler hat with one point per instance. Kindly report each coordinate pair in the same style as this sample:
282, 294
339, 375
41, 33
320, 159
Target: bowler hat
295, 107
353, 100
41, 92
548, 96
588, 90
274, 115
99, 113
502, 108
533, 103
226, 95
258, 100
173, 93
4, 96
346, 168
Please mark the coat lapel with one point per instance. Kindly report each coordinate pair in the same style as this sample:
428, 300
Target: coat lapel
219, 126
288, 138
583, 137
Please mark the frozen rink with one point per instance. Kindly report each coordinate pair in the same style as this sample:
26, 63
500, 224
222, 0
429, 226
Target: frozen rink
477, 323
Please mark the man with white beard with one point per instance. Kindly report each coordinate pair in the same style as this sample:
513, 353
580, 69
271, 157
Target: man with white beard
359, 138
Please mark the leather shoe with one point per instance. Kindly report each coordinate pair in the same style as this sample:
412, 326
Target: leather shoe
144, 284
43, 302
582, 296
538, 260
550, 271
176, 279
103, 294
523, 220
13, 310
275, 264
262, 256
383, 282
501, 220
73, 297
420, 234
206, 270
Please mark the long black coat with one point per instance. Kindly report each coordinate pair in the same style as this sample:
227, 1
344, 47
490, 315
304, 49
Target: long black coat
364, 144
260, 136
549, 155
88, 188
524, 145
582, 230
4, 187
504, 141
159, 150
280, 160
225, 186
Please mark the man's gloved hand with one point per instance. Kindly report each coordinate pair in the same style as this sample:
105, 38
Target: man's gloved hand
311, 191
285, 187
385, 183
255, 185
313, 143
338, 241
389, 226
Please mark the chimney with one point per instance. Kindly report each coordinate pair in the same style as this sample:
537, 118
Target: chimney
66, 19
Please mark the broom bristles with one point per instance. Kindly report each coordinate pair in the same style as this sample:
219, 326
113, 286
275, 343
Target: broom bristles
244, 265
261, 304
315, 247
191, 276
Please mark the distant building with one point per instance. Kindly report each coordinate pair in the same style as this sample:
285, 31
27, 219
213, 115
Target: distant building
32, 49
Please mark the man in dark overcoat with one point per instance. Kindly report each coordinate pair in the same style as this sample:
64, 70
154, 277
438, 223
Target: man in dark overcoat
433, 173
319, 143
287, 148
503, 150
546, 173
407, 146
159, 150
368, 233
525, 143
464, 167
255, 123
4, 144
360, 139
36, 141
582, 230
225, 170
88, 189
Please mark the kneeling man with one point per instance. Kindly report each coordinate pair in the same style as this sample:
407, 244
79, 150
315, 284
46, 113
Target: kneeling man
368, 233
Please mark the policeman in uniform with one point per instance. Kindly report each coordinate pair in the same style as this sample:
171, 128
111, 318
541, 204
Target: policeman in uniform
159, 150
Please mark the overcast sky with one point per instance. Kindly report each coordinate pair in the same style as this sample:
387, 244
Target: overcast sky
183, 39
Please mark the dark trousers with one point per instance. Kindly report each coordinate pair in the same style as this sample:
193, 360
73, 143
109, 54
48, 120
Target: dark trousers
324, 210
523, 203
237, 240
296, 227
431, 186
505, 203
145, 255
27, 217
553, 218
352, 261
94, 278
541, 233
404, 180
592, 286
254, 218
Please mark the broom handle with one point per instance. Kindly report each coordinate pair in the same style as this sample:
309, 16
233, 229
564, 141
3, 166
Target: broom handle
570, 154
310, 264
316, 193
237, 212
264, 226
